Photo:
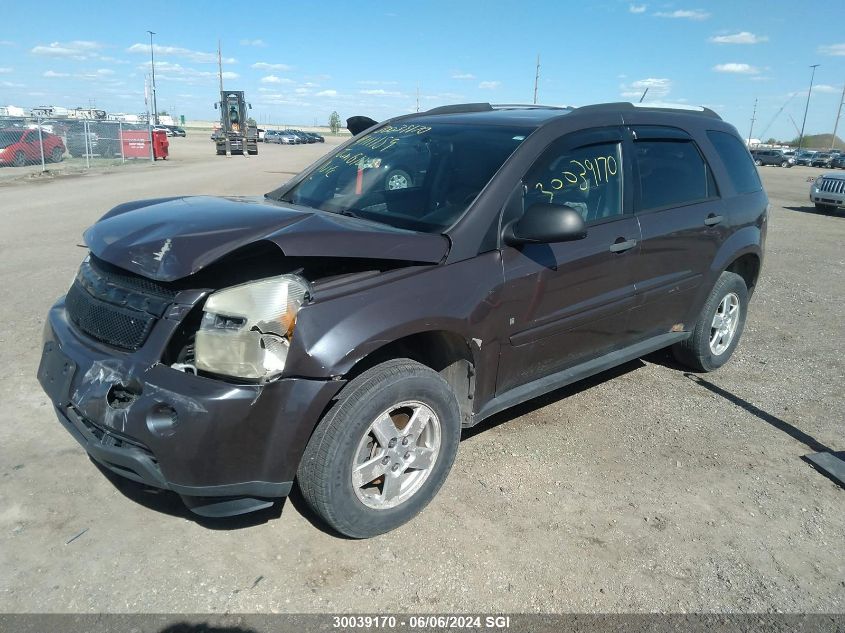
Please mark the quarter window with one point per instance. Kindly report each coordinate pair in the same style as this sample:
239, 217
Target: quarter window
587, 178
737, 161
672, 173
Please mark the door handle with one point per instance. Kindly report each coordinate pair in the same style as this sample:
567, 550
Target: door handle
712, 220
621, 245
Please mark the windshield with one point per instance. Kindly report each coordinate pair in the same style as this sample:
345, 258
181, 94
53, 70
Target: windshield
411, 176
10, 137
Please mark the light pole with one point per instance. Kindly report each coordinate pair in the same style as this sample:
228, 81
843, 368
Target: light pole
807, 106
153, 63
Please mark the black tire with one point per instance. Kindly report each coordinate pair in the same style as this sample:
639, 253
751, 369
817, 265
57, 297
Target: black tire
695, 352
57, 155
19, 160
325, 472
252, 152
394, 179
823, 207
785, 164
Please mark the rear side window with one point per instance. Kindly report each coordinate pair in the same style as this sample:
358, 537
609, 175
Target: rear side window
737, 161
672, 173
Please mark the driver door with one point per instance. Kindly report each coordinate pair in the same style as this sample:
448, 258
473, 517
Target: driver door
568, 302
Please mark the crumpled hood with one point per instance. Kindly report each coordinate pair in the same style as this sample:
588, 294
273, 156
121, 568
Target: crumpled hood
170, 238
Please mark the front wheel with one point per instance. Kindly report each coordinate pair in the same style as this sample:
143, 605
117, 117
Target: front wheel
784, 164
381, 453
758, 162
719, 327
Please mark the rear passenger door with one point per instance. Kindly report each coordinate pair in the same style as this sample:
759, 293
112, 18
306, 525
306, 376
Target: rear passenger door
682, 223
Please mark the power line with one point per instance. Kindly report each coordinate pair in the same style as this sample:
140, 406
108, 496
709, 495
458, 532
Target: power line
807, 106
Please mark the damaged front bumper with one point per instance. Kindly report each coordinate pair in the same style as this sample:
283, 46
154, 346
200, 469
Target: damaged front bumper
225, 448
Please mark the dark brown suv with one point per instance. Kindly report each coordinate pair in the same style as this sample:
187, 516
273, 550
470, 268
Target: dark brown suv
341, 331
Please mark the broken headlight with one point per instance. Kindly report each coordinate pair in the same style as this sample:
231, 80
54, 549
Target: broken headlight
246, 329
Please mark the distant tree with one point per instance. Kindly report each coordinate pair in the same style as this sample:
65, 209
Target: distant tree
334, 122
163, 113
772, 141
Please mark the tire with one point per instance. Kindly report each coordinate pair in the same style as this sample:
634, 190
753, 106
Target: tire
57, 155
252, 152
785, 164
699, 352
346, 437
823, 207
397, 179
19, 160
758, 162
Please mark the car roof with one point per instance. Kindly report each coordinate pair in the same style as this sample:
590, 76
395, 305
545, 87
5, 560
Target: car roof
533, 116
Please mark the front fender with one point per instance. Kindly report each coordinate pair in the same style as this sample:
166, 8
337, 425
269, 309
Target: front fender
332, 335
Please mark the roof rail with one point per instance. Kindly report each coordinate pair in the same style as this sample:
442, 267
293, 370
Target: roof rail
623, 106
528, 106
460, 107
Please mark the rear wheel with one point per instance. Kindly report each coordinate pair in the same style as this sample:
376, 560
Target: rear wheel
57, 155
382, 452
719, 327
785, 164
758, 162
19, 160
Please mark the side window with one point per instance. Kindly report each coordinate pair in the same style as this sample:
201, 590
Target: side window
737, 161
587, 178
672, 173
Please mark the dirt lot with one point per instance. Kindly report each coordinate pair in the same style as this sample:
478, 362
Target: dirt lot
644, 489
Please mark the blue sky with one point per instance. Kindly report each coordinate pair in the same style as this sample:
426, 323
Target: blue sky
298, 61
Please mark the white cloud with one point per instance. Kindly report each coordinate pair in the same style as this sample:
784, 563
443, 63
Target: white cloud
266, 66
170, 71
371, 82
6, 43
326, 93
273, 79
743, 37
737, 69
657, 88
694, 14
77, 49
104, 71
463, 76
53, 74
5, 71
258, 43
379, 92
10, 84
837, 50
637, 8
825, 88
198, 57
489, 85
227, 74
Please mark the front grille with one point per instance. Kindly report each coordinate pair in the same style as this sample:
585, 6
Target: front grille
115, 306
832, 185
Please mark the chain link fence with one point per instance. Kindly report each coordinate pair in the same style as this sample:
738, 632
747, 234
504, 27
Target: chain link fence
37, 144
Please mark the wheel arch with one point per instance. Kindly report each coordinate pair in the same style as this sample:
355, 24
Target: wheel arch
444, 351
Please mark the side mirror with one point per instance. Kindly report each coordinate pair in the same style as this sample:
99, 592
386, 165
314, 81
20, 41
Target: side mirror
546, 224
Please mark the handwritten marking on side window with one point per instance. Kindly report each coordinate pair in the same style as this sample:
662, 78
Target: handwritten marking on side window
599, 170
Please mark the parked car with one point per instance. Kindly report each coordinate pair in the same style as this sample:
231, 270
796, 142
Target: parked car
163, 128
317, 138
177, 131
838, 162
804, 157
19, 146
261, 133
342, 334
771, 157
828, 192
821, 159
297, 137
103, 139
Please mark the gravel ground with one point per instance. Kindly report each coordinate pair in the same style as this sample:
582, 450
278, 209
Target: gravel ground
643, 489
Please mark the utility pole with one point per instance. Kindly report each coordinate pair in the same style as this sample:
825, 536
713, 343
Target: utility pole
838, 113
224, 116
418, 97
753, 118
536, 78
645, 92
153, 64
807, 106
